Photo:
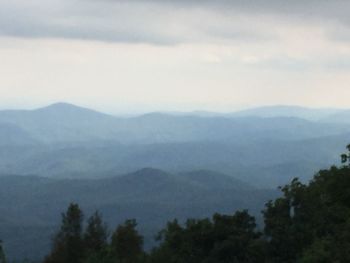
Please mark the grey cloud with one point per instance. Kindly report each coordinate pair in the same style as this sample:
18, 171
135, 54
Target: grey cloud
94, 21
153, 21
323, 9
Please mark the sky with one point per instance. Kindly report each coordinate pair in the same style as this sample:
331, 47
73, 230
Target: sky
125, 56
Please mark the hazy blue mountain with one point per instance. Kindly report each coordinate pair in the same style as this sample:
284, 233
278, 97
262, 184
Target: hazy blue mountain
162, 128
197, 113
262, 163
31, 206
287, 111
338, 117
61, 122
215, 180
12, 135
214, 163
312, 114
63, 140
65, 123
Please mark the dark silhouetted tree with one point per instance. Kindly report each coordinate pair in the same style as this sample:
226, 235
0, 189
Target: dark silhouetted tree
311, 223
127, 243
96, 234
68, 246
2, 254
95, 240
222, 239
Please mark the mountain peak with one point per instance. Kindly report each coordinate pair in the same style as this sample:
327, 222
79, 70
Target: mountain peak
149, 171
312, 114
70, 110
60, 106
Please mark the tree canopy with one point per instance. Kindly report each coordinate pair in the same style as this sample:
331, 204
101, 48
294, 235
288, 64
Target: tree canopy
2, 254
68, 246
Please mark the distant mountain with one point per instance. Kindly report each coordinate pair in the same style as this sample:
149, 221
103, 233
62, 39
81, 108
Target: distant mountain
265, 164
66, 141
311, 114
31, 206
196, 113
338, 117
66, 123
164, 128
12, 135
60, 122
287, 111
215, 180
213, 162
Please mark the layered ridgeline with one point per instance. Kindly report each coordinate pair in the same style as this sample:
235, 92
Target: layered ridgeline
308, 223
62, 153
63, 140
30, 206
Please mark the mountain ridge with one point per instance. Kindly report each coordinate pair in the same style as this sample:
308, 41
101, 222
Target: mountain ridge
28, 202
62, 122
262, 109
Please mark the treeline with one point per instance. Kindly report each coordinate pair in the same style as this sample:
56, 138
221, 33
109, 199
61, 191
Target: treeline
2, 254
73, 245
308, 224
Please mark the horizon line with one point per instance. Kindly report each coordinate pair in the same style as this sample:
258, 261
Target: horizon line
170, 112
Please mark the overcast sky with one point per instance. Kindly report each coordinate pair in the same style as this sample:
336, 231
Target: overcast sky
139, 55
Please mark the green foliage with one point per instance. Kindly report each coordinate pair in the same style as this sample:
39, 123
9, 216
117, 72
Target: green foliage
2, 254
95, 240
127, 243
68, 244
222, 239
311, 223
96, 234
285, 224
319, 251
102, 256
73, 245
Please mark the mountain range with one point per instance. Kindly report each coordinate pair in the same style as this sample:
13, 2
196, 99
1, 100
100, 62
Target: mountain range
66, 123
66, 141
30, 206
199, 163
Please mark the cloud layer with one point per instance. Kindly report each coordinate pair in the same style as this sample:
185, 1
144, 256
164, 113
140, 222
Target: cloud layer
163, 22
175, 55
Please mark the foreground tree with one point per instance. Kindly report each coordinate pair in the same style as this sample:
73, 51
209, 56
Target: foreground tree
127, 243
224, 238
96, 234
68, 246
95, 240
311, 223
2, 254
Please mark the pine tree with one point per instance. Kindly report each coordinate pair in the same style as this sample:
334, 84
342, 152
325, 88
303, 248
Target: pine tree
68, 244
96, 233
2, 254
127, 243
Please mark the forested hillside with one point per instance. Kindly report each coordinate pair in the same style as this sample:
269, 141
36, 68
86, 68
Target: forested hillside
30, 206
309, 223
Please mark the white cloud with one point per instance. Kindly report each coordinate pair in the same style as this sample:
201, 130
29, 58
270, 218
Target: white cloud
148, 55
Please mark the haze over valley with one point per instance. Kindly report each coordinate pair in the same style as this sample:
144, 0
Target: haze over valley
155, 166
67, 141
